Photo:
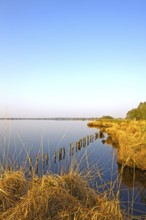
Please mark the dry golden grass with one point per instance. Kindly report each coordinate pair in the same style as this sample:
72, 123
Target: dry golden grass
129, 137
65, 197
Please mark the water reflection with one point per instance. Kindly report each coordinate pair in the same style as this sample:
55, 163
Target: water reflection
62, 142
133, 199
109, 141
38, 163
61, 153
130, 174
101, 134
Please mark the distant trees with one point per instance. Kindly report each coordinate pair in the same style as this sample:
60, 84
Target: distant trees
107, 117
137, 113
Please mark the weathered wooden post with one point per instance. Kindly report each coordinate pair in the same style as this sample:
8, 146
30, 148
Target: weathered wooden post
60, 154
84, 142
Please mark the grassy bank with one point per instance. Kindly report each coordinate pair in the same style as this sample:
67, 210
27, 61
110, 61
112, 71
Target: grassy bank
129, 137
65, 197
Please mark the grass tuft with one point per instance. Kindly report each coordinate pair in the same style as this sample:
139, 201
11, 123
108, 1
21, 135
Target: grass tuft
56, 197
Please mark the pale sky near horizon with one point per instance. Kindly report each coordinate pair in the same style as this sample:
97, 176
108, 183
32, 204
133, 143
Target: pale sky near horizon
72, 58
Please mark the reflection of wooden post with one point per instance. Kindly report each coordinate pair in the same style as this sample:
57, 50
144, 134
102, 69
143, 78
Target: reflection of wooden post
88, 140
96, 136
30, 163
81, 142
76, 146
54, 157
43, 160
47, 158
63, 153
101, 135
71, 149
37, 163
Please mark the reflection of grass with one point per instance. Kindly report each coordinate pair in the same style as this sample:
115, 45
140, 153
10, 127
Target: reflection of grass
135, 180
129, 137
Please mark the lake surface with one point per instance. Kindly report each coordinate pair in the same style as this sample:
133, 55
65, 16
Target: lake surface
55, 146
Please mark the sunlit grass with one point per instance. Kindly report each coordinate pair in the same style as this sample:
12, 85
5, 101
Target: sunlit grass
129, 136
65, 196
68, 195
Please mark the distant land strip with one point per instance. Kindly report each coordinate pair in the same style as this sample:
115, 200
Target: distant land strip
57, 118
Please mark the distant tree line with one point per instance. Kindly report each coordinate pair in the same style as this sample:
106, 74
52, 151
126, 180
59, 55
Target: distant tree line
107, 117
137, 113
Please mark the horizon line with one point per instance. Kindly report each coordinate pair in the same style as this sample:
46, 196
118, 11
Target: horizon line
47, 118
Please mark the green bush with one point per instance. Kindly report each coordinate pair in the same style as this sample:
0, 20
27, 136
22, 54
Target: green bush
137, 113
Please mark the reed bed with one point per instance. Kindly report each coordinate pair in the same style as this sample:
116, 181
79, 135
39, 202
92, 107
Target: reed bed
129, 136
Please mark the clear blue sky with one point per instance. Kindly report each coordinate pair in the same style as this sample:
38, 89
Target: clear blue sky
72, 57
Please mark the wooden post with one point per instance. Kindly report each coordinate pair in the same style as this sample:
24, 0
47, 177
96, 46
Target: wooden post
87, 140
60, 154
84, 142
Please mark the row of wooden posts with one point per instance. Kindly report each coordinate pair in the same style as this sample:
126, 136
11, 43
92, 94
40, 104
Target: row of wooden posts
61, 154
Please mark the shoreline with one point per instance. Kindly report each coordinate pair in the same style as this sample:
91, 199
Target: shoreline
129, 137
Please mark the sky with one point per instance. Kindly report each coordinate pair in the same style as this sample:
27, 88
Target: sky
72, 58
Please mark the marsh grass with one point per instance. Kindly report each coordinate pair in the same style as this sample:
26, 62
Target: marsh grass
129, 136
68, 196
65, 196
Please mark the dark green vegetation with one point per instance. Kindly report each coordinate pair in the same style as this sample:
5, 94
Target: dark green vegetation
138, 113
107, 117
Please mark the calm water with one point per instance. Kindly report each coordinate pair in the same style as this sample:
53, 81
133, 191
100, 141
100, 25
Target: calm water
53, 145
